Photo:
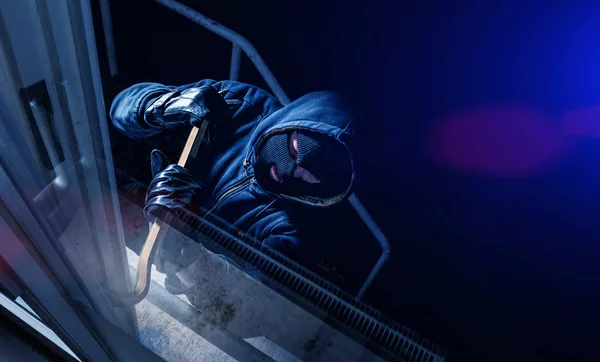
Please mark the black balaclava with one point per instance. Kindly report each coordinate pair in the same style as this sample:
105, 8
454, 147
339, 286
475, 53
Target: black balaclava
323, 156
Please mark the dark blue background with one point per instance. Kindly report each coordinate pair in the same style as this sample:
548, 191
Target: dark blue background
491, 268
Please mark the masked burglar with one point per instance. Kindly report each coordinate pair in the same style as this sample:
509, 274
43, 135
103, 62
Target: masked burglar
260, 159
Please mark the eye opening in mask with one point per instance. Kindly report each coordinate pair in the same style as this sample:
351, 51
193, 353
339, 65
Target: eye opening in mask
299, 171
293, 144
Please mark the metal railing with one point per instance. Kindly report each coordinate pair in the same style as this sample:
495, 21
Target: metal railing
239, 44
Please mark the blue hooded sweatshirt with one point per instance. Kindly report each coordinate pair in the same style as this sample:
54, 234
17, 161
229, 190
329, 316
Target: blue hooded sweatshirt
224, 166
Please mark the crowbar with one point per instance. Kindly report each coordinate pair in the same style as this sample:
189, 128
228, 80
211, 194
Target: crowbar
144, 269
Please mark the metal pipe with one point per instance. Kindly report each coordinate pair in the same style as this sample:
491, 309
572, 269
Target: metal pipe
382, 259
378, 234
236, 61
109, 38
234, 38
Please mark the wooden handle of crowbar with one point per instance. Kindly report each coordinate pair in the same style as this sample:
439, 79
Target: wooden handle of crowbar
142, 282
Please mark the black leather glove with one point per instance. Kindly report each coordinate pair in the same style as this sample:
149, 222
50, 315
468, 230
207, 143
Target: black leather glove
172, 190
190, 106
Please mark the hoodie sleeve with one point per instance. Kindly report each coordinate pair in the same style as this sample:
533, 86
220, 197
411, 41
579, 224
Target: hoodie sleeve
284, 239
287, 239
128, 107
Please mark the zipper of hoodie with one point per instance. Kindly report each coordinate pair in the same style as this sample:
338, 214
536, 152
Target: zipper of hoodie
232, 189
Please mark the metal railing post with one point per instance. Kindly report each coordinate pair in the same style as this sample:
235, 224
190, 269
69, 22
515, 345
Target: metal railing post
109, 38
236, 60
378, 234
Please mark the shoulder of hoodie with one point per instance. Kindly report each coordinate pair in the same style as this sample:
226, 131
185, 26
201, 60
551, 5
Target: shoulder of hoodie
256, 97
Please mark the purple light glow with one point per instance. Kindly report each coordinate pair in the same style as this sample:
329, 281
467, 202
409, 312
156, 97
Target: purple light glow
583, 122
500, 141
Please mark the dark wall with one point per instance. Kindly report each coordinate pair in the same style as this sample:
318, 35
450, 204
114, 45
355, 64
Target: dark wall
492, 267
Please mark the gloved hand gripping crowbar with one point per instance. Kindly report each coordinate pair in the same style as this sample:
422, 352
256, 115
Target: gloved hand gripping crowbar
144, 269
